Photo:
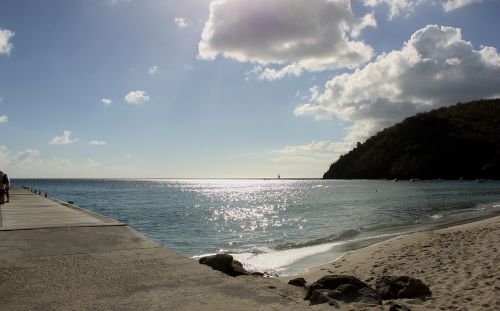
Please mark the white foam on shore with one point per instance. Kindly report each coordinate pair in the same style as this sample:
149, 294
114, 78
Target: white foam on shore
436, 217
278, 261
294, 260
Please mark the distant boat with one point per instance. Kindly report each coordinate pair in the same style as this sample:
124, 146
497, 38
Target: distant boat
279, 177
395, 180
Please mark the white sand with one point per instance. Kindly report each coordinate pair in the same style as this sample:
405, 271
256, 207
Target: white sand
460, 264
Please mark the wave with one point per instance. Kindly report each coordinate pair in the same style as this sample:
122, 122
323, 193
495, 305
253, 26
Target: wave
336, 237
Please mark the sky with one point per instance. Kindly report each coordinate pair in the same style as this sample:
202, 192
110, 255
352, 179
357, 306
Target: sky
227, 88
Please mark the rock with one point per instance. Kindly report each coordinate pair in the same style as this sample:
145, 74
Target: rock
397, 287
353, 293
319, 296
342, 288
238, 267
398, 307
332, 282
299, 282
224, 263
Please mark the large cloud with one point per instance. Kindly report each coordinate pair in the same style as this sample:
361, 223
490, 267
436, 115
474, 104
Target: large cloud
5, 44
314, 34
434, 68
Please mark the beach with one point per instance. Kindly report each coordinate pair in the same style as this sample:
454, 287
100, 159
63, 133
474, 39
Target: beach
459, 264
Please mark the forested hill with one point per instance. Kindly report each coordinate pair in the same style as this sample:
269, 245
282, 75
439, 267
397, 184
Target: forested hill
461, 141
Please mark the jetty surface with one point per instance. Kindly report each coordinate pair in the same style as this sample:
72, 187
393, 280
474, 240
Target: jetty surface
56, 256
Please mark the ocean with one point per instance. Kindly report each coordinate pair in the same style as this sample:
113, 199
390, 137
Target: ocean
280, 226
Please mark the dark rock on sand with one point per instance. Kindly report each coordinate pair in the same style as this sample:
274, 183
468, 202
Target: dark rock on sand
396, 287
332, 282
300, 282
319, 296
224, 263
342, 288
398, 307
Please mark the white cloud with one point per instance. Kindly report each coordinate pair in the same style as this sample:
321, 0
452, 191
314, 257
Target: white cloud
315, 150
307, 160
270, 74
29, 163
5, 44
136, 97
113, 2
106, 101
153, 70
405, 7
59, 163
21, 157
314, 35
396, 7
96, 142
450, 5
128, 155
181, 22
90, 163
4, 156
64, 139
25, 156
434, 68
4, 119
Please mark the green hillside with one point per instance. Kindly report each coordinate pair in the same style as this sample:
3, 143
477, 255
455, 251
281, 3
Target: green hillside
461, 141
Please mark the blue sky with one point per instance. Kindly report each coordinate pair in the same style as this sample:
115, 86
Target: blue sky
227, 88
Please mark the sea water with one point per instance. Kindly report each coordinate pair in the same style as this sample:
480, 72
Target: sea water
281, 226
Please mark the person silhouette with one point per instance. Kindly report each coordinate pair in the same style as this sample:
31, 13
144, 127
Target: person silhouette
6, 185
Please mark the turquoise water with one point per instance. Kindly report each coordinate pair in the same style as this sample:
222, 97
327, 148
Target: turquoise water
283, 226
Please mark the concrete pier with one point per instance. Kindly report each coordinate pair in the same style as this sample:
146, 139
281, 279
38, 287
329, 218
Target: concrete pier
55, 256
28, 210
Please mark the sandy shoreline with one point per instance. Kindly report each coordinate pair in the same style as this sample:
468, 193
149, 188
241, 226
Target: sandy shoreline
459, 263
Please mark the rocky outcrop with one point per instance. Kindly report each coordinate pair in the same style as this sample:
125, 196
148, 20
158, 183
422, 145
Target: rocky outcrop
332, 288
396, 287
225, 263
